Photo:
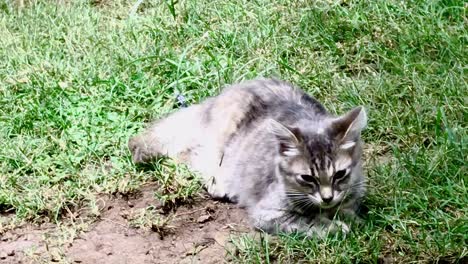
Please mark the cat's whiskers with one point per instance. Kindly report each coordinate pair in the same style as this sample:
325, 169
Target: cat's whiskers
302, 206
303, 201
352, 188
357, 185
299, 204
297, 198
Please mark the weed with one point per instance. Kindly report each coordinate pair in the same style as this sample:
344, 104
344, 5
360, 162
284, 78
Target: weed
151, 219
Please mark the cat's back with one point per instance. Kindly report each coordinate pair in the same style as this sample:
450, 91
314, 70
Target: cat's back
233, 126
245, 102
271, 92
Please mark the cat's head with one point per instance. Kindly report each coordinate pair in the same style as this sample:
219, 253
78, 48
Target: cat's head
320, 162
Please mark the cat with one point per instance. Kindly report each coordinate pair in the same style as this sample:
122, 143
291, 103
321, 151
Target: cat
272, 149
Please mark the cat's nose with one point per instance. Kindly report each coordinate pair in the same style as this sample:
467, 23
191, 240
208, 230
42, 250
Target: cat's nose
327, 199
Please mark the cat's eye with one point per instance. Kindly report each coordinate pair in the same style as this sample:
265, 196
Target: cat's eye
339, 175
307, 178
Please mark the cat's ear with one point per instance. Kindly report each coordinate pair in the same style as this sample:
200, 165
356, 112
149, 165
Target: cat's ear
347, 128
289, 138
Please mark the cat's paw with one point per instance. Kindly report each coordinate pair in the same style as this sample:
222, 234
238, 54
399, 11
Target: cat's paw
216, 190
338, 226
323, 231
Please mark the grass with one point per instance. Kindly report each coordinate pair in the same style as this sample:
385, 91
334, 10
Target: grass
78, 78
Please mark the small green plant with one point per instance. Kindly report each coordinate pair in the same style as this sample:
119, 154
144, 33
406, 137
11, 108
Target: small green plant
177, 184
171, 5
150, 218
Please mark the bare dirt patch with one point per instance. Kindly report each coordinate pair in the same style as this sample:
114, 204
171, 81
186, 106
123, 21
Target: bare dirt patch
196, 233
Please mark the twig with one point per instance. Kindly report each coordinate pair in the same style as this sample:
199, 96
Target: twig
135, 8
190, 212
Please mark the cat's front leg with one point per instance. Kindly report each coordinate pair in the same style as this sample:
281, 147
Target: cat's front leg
323, 227
318, 229
280, 221
272, 220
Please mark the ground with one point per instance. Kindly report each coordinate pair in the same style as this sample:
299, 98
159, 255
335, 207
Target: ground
198, 233
79, 78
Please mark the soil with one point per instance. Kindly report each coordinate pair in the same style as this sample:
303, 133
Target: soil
197, 233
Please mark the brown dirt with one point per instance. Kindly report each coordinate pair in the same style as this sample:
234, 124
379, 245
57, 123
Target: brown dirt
197, 233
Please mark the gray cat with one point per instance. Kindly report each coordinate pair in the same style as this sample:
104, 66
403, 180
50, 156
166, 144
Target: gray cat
271, 148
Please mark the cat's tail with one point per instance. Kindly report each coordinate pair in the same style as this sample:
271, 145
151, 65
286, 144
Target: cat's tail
171, 136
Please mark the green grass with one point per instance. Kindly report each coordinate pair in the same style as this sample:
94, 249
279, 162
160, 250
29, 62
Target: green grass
77, 79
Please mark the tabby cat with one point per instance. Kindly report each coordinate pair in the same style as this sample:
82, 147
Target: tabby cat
271, 148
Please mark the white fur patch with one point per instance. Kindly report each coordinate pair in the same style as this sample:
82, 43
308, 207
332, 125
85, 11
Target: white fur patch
326, 191
330, 171
291, 152
348, 145
342, 163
